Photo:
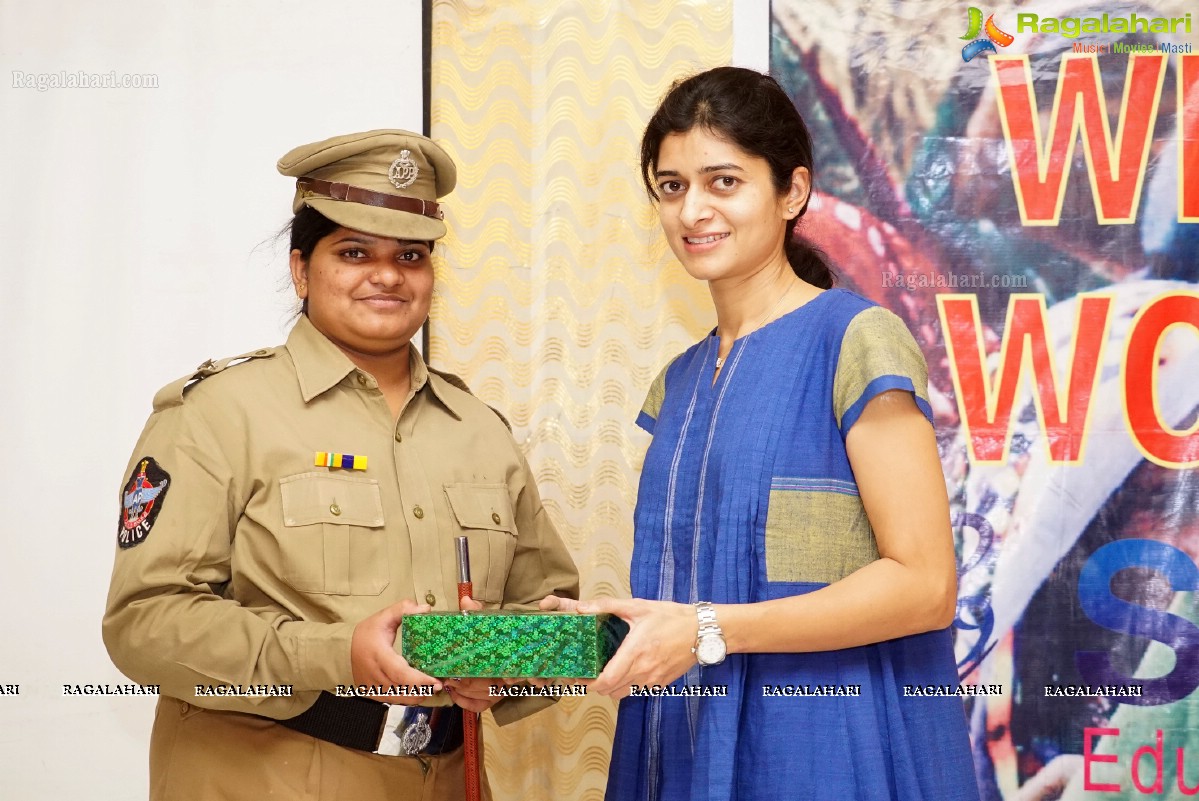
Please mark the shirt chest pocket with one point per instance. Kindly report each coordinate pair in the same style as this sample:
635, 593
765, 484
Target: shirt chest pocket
333, 541
483, 512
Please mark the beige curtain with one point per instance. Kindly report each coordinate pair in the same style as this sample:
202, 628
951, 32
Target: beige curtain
558, 301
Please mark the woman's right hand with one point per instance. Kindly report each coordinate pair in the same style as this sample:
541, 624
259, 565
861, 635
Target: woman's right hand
374, 660
552, 603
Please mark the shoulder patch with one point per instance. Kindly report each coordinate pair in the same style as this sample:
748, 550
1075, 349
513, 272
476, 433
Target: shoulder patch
141, 500
877, 353
657, 392
457, 382
172, 393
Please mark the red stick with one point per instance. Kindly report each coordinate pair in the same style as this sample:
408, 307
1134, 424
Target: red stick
470, 732
470, 720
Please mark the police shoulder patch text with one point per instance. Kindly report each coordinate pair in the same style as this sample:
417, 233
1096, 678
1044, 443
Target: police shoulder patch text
141, 501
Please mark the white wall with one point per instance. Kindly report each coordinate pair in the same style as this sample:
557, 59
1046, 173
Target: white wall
751, 34
136, 240
136, 233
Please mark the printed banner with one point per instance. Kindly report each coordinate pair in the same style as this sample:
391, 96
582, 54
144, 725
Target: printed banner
1021, 184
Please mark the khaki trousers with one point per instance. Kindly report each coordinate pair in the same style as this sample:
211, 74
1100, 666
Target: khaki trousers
201, 755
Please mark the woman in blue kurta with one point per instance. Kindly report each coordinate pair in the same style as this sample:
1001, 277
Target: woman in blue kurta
793, 573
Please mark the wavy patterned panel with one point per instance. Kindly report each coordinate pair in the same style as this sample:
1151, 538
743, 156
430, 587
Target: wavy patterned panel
558, 301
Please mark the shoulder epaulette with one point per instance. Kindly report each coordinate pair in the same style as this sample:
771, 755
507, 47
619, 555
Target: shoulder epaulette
450, 378
172, 393
457, 382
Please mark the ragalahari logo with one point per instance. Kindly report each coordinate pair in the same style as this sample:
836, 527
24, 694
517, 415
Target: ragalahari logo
994, 36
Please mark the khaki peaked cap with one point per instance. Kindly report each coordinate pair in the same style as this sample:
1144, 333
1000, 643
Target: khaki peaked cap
386, 164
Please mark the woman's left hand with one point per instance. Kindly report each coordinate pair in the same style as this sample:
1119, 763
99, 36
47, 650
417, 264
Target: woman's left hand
474, 695
657, 649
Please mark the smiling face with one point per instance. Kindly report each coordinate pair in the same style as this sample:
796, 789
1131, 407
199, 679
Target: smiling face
719, 208
367, 294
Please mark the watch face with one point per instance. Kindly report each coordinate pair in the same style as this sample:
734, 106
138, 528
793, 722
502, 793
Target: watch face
710, 650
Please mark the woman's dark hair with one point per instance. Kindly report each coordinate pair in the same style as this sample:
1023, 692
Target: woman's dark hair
306, 229
753, 112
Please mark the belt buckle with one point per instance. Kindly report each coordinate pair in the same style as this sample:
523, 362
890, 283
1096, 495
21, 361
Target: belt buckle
406, 731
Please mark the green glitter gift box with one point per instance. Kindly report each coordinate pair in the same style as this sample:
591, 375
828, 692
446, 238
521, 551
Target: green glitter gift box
502, 644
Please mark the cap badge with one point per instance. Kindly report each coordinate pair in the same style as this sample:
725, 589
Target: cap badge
403, 170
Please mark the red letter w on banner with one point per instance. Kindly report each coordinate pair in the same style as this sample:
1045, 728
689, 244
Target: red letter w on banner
985, 406
1188, 139
1116, 169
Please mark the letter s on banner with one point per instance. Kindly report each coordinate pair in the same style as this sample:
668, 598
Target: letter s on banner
1104, 608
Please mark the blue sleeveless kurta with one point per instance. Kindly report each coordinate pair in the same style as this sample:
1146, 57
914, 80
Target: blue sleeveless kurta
747, 495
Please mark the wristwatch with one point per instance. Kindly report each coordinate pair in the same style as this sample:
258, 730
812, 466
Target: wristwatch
710, 648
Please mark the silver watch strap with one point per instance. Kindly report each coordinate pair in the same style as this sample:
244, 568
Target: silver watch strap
707, 618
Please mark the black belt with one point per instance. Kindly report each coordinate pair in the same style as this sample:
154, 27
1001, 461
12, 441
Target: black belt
388, 729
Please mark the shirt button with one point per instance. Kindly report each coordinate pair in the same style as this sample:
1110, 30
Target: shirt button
495, 518
261, 352
430, 598
334, 509
361, 380
399, 437
418, 512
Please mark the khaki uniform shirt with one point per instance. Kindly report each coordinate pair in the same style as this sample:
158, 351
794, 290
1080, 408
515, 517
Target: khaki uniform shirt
251, 565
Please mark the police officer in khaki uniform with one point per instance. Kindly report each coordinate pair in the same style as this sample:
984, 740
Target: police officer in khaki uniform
285, 509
